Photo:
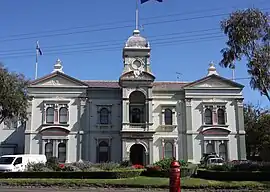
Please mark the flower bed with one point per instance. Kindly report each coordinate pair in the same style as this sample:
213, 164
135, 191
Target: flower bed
78, 170
75, 175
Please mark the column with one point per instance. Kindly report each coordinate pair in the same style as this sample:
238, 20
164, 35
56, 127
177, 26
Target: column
163, 148
241, 143
174, 148
42, 147
150, 108
56, 119
150, 150
189, 130
54, 148
125, 110
124, 153
146, 115
82, 120
67, 151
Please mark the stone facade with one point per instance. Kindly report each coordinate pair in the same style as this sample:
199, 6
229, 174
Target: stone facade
135, 118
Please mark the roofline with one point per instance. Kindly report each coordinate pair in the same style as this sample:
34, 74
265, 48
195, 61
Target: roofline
208, 77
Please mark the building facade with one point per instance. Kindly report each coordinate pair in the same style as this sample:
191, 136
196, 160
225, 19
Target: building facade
135, 118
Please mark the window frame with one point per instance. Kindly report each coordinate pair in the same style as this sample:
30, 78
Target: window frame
172, 149
168, 120
51, 115
171, 107
214, 107
57, 106
67, 114
108, 146
65, 153
104, 114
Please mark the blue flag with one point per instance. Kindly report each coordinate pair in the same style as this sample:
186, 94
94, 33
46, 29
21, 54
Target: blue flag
144, 1
38, 49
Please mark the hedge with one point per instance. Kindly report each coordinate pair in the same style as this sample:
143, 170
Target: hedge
233, 175
184, 172
74, 175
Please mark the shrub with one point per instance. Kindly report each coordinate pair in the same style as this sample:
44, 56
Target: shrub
137, 166
52, 163
241, 166
165, 163
71, 168
34, 167
126, 163
233, 175
74, 175
108, 166
83, 166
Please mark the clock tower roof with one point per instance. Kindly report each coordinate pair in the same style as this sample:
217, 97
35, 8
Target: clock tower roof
137, 41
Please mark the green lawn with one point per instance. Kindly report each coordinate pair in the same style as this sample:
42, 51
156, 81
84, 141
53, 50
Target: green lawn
138, 182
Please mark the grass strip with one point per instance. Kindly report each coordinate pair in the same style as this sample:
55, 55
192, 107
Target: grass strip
138, 182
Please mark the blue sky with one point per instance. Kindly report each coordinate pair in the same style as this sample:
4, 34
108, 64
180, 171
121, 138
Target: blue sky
88, 36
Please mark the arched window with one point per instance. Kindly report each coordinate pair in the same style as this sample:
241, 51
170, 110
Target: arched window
62, 152
63, 115
136, 115
103, 152
223, 151
210, 148
48, 150
208, 117
168, 117
168, 150
221, 116
50, 115
104, 116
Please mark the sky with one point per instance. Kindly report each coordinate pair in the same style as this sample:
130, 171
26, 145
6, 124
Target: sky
88, 37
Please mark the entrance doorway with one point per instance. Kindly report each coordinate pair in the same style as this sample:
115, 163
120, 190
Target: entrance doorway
137, 154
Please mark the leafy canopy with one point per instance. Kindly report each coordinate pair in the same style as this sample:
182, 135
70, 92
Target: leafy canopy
257, 127
13, 95
248, 33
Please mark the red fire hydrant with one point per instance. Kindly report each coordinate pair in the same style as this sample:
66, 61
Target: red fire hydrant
175, 177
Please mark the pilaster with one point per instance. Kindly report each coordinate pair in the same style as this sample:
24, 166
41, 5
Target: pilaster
241, 143
189, 129
82, 123
150, 150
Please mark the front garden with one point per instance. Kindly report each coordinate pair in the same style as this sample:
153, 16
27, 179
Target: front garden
232, 175
88, 170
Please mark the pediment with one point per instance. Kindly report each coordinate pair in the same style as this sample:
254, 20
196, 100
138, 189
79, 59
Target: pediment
143, 76
57, 80
214, 81
215, 131
54, 131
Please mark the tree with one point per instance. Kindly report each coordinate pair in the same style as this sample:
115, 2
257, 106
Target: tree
257, 127
13, 95
248, 33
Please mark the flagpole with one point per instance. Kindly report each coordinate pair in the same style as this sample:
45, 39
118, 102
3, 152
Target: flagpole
36, 67
137, 15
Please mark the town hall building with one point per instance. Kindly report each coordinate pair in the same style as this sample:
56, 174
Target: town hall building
133, 118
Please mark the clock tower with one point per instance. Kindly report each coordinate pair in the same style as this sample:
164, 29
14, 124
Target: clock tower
137, 82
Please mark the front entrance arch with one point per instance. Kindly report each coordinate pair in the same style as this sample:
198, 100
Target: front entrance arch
137, 154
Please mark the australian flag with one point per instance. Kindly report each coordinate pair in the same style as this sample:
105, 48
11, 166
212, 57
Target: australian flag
38, 49
144, 1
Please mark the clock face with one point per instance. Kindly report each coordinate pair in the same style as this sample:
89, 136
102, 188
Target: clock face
136, 64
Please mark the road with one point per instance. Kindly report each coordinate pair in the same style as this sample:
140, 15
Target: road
105, 190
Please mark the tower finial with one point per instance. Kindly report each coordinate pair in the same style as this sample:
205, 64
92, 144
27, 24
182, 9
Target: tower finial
212, 69
58, 66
